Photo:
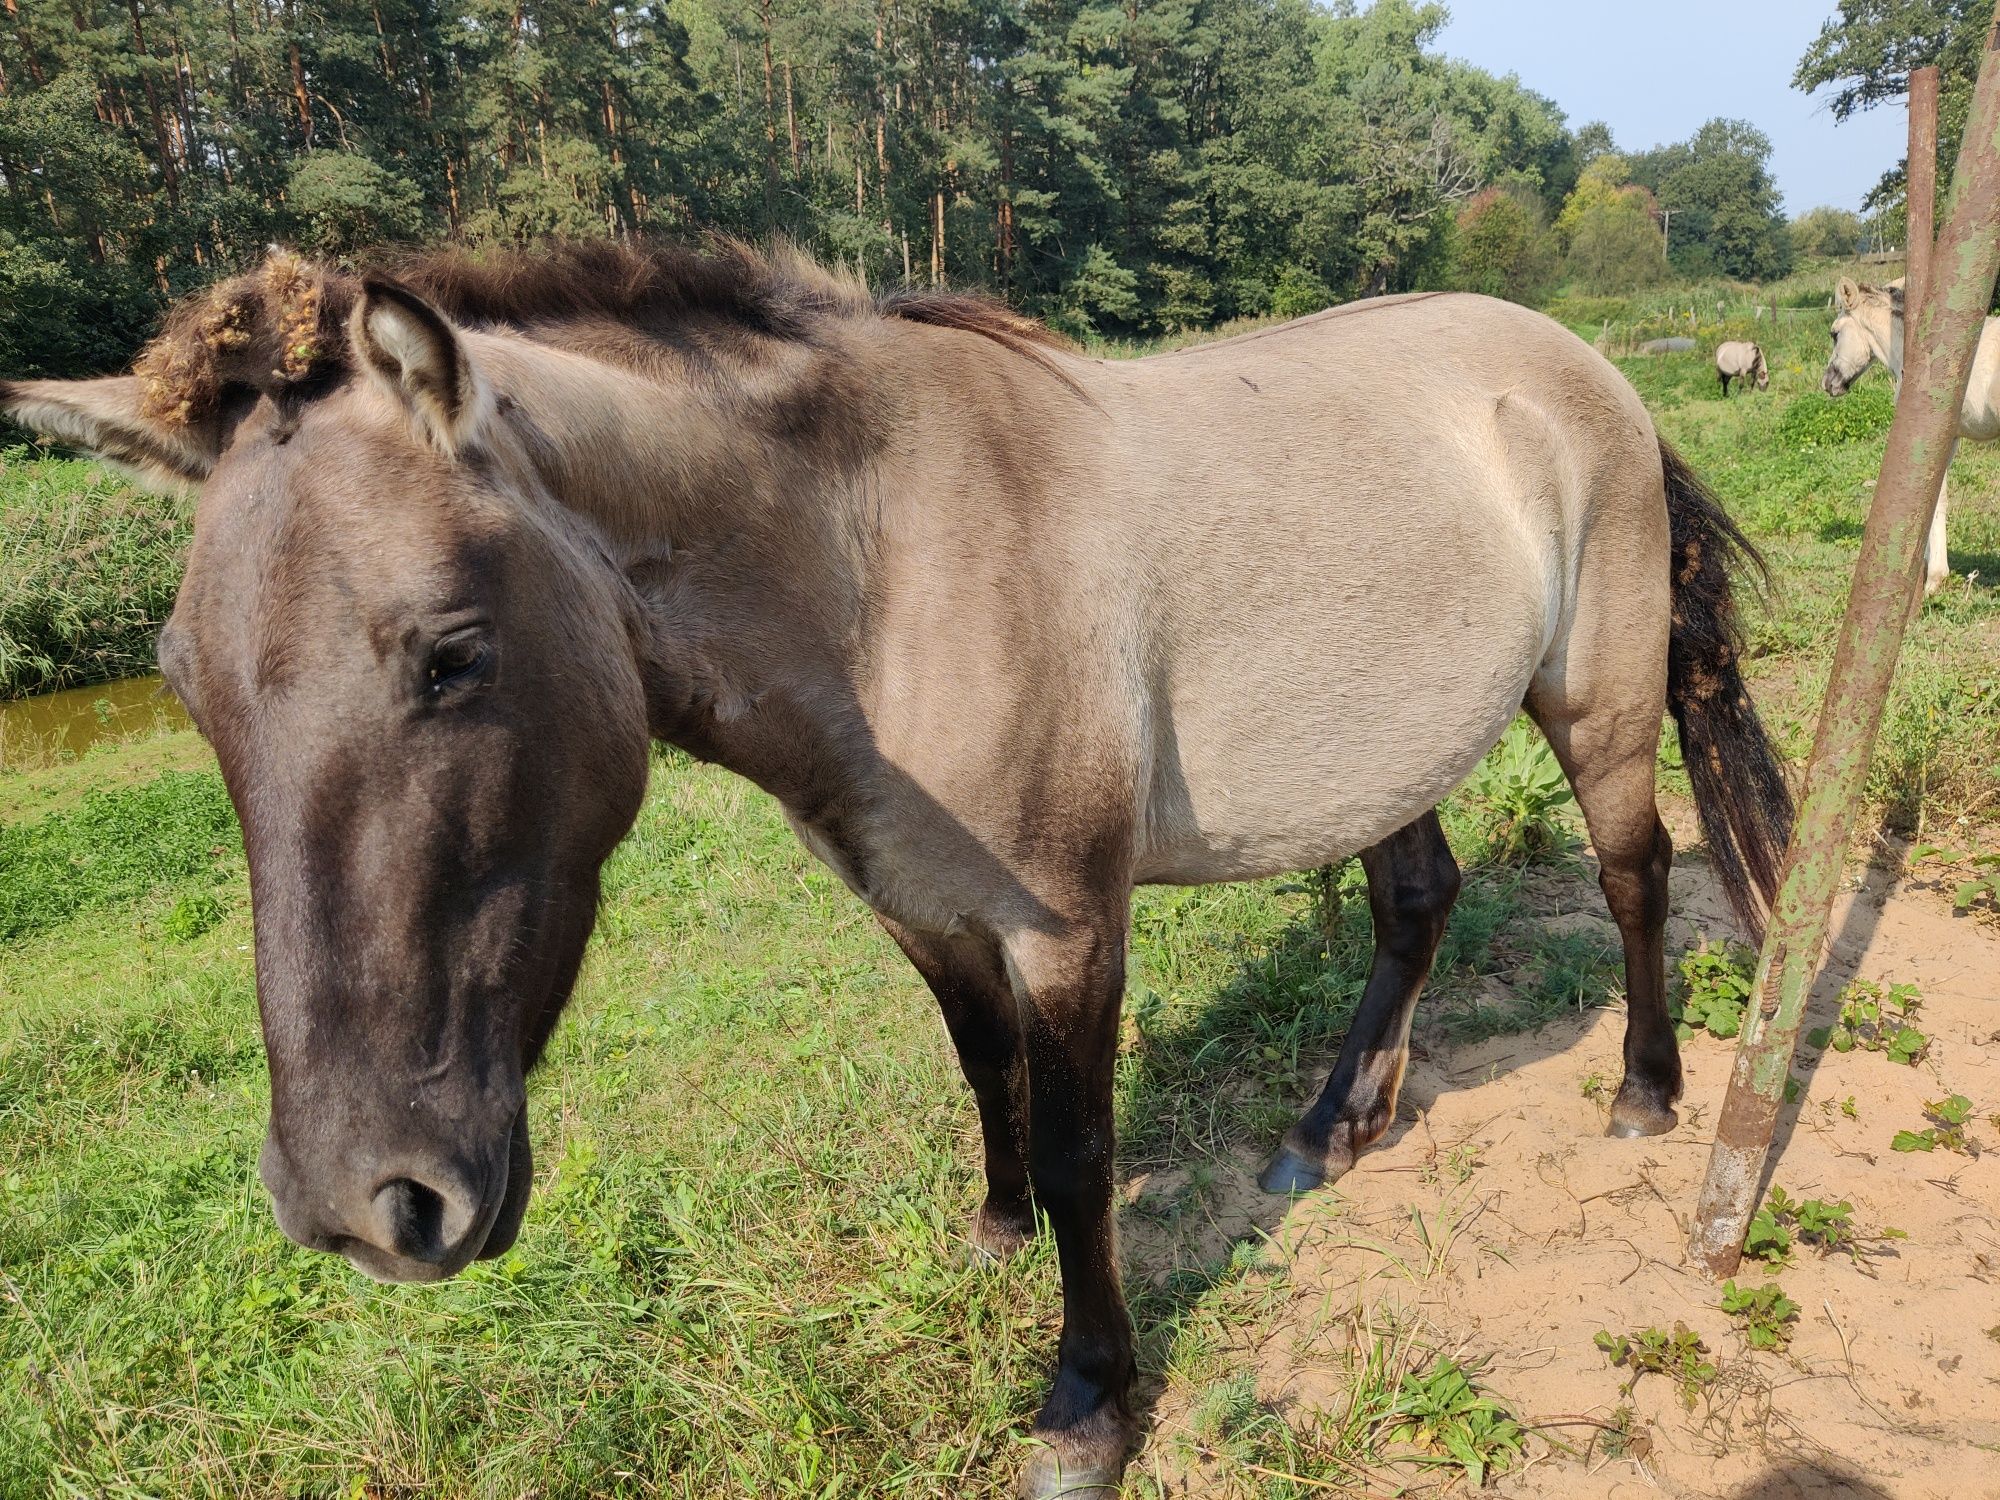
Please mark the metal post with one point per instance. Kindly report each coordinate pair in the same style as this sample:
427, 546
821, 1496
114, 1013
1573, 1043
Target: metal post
1938, 362
1920, 197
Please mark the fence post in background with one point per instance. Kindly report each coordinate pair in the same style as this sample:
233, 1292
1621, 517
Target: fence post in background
1920, 194
1938, 361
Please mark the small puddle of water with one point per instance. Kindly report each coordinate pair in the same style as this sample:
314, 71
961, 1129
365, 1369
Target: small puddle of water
50, 727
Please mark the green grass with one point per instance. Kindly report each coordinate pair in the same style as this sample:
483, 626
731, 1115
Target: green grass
88, 570
116, 845
1797, 471
742, 1272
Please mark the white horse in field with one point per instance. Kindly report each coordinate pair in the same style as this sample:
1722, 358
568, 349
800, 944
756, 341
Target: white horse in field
1868, 329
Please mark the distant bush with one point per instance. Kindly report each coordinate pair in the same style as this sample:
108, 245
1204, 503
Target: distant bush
88, 571
1299, 291
1501, 247
1827, 232
1616, 246
1817, 421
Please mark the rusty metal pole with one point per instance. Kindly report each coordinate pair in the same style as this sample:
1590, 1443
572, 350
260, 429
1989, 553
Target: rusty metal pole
1920, 195
1938, 361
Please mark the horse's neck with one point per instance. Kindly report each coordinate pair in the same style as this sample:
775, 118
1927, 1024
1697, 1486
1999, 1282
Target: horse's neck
1889, 349
748, 556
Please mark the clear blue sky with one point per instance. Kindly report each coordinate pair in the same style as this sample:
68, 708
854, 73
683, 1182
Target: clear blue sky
1654, 72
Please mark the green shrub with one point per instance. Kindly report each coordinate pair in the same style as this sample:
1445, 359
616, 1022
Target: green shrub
88, 571
1765, 1312
1715, 986
1520, 789
1817, 421
192, 915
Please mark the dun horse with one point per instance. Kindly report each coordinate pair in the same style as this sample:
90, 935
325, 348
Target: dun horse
1868, 330
1738, 360
1003, 628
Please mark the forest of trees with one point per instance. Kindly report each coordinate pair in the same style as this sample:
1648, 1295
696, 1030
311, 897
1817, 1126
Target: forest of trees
1123, 167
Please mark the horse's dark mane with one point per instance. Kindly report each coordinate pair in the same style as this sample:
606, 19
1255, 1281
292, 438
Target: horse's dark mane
283, 321
636, 280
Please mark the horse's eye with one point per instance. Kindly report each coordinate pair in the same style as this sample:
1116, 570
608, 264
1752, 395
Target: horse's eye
456, 661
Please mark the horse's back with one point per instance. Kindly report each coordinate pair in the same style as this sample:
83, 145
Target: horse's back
1358, 537
1736, 357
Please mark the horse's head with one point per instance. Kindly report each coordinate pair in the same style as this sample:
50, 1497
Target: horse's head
1763, 369
1864, 331
422, 679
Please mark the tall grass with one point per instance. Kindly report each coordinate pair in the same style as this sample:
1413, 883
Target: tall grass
88, 570
1774, 308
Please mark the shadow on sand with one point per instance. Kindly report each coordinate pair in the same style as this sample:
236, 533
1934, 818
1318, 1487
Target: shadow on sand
1203, 1102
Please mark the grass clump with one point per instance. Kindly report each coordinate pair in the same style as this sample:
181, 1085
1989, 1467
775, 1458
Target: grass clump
88, 571
1443, 1415
114, 846
1814, 420
1520, 789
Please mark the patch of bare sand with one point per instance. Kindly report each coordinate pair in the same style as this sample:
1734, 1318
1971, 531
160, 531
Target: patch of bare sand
1498, 1217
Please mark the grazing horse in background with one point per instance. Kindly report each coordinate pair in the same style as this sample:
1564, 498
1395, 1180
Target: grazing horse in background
1738, 360
1868, 330
1004, 629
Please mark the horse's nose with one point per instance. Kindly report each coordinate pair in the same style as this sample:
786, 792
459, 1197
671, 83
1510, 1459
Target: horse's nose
423, 1219
418, 1217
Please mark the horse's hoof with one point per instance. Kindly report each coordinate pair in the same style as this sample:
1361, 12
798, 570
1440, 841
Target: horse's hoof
1289, 1173
996, 1237
1048, 1477
1631, 1124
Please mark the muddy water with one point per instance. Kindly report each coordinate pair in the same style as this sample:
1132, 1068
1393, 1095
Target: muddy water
50, 727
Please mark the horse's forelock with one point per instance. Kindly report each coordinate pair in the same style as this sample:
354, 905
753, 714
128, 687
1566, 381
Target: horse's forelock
275, 327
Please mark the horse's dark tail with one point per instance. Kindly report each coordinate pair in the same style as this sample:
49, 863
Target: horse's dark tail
1738, 780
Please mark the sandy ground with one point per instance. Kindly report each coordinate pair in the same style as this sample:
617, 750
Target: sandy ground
1497, 1218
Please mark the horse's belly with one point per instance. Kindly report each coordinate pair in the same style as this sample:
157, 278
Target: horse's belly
1286, 769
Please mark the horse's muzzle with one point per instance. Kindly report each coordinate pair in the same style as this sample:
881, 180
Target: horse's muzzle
416, 1215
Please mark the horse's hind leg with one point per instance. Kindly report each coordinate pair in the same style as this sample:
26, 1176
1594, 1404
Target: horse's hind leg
1937, 563
1412, 881
1608, 752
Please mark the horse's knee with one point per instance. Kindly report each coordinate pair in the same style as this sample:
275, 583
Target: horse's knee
1413, 905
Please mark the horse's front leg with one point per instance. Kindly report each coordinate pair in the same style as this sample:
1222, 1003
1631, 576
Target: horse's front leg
970, 982
1412, 882
1070, 984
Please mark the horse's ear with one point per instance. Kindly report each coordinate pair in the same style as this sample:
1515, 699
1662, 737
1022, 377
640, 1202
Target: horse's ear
412, 351
1896, 298
108, 417
1847, 294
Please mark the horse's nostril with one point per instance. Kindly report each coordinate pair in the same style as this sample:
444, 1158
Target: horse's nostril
417, 1221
